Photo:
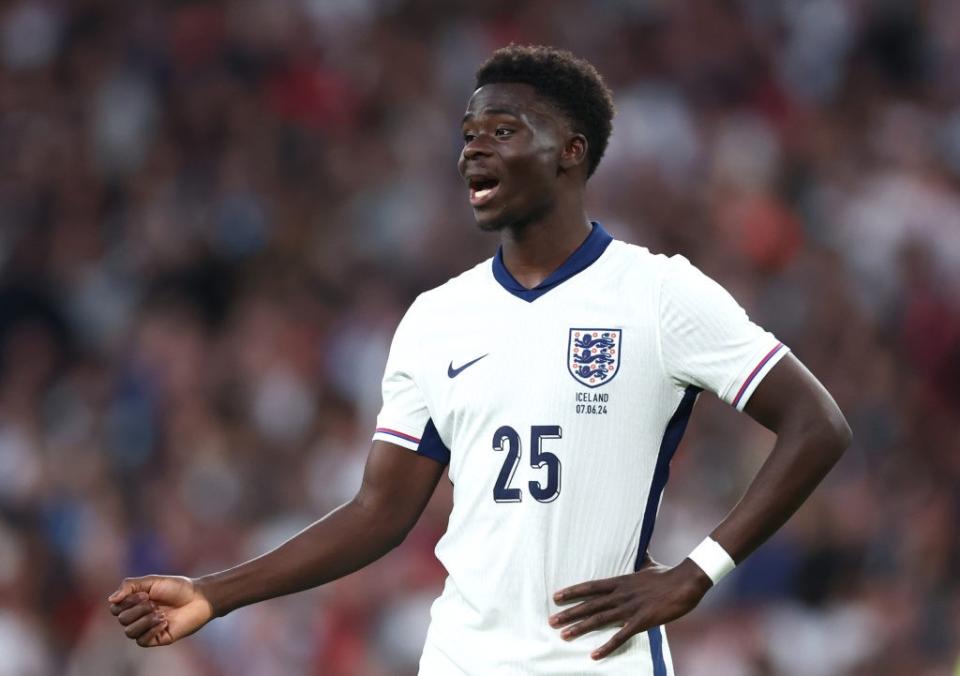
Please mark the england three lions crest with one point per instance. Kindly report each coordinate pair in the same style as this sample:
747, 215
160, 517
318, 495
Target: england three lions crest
593, 355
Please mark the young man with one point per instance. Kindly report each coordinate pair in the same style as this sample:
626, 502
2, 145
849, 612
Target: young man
556, 380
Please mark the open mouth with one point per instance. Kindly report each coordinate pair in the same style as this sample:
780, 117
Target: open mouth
482, 190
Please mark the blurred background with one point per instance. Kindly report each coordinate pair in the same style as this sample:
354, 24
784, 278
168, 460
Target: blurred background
213, 215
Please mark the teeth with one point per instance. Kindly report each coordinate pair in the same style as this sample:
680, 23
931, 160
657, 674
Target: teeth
483, 193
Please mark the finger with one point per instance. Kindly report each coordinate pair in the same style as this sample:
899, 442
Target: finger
156, 636
128, 602
592, 623
130, 615
146, 622
585, 589
582, 610
131, 585
615, 641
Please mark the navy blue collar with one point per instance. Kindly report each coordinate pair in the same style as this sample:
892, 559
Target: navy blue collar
581, 259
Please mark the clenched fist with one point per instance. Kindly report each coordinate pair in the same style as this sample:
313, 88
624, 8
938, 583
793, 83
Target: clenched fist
157, 610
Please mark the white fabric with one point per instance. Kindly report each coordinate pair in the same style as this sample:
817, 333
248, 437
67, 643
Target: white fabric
404, 413
707, 340
505, 559
712, 559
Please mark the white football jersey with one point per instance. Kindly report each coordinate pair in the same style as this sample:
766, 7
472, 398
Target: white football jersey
558, 409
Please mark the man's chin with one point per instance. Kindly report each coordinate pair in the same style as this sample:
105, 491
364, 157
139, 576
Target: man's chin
502, 218
493, 222
491, 226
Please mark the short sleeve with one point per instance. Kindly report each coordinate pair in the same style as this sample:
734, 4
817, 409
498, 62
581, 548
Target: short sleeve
404, 418
706, 338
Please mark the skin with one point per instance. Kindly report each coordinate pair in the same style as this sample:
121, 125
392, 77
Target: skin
515, 136
541, 162
397, 484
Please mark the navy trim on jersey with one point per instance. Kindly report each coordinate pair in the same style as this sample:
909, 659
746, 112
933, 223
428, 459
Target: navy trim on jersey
668, 446
656, 651
586, 255
431, 445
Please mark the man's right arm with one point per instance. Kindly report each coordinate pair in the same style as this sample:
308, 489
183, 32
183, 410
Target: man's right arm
397, 484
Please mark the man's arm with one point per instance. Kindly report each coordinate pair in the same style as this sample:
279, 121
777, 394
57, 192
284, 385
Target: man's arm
811, 436
397, 484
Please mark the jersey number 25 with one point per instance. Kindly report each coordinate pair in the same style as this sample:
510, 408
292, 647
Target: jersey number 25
507, 439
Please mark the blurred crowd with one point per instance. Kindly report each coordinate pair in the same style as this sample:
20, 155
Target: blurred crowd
213, 215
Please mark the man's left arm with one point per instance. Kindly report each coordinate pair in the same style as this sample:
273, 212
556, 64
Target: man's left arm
811, 436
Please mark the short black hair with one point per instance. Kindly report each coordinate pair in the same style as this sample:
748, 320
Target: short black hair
569, 82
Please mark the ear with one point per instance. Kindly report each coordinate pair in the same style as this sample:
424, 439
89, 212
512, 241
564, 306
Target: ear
574, 152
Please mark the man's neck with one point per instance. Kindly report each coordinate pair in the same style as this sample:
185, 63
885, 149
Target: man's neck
534, 251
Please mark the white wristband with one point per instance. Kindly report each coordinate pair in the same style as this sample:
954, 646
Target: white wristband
712, 559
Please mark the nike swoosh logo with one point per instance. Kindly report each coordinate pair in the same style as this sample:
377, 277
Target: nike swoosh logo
453, 373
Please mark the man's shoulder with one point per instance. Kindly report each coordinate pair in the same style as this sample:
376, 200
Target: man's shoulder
634, 259
470, 283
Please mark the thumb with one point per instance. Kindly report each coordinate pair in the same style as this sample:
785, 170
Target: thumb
131, 585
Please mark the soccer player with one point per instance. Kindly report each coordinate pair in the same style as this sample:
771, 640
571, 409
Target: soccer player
555, 380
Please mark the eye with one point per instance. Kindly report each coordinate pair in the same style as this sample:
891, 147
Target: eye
504, 131
467, 137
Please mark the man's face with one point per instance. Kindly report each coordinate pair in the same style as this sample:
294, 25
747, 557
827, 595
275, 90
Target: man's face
513, 140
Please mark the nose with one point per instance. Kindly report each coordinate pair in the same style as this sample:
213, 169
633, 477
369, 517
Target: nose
474, 150
477, 147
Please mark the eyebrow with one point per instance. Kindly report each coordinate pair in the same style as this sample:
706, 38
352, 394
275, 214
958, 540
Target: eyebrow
492, 111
